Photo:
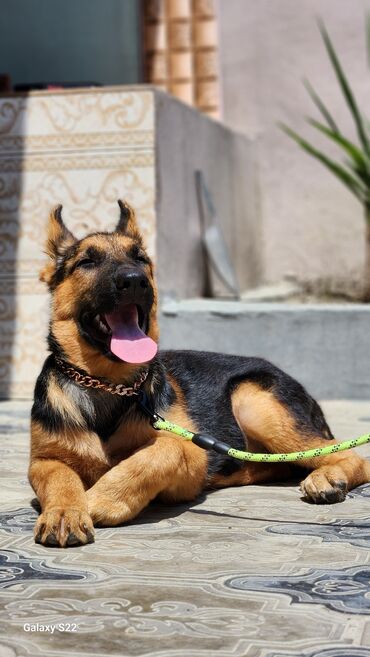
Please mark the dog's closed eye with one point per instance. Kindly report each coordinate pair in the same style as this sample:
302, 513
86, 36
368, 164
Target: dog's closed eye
137, 254
91, 258
85, 263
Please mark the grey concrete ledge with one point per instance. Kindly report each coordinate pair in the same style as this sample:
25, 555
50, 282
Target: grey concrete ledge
233, 307
325, 346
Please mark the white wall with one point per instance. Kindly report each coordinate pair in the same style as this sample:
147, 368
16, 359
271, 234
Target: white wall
187, 141
312, 227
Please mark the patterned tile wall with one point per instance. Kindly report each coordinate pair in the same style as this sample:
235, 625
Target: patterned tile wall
83, 149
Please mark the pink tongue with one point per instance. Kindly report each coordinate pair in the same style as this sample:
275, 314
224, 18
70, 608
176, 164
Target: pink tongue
128, 341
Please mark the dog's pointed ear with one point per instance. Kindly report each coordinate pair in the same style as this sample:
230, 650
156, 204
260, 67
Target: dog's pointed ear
59, 237
127, 223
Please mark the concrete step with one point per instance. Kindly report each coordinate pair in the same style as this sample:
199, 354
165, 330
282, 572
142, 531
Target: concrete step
325, 346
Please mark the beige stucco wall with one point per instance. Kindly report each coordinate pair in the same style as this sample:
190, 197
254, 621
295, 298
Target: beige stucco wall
81, 148
312, 227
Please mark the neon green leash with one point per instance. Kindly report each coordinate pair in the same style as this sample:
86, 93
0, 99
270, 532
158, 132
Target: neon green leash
209, 442
164, 425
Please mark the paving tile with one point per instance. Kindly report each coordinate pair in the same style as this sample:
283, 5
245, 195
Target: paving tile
250, 571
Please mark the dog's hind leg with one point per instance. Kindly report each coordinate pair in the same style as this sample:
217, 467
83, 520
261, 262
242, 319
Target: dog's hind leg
287, 419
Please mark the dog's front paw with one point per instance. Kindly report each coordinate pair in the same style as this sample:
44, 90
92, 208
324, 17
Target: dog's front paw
108, 513
64, 527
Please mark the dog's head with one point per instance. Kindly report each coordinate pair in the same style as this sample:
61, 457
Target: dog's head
104, 295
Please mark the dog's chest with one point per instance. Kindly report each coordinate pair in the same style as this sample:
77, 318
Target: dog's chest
128, 436
107, 414
117, 423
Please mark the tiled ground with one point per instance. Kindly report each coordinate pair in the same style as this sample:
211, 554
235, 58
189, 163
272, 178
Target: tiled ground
244, 572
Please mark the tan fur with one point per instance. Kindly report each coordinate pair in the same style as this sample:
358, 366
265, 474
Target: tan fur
58, 239
164, 466
252, 473
127, 438
261, 416
62, 403
195, 458
138, 464
60, 491
61, 468
46, 273
79, 449
149, 463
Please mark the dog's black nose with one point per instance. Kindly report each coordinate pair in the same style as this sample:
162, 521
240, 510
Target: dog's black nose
131, 280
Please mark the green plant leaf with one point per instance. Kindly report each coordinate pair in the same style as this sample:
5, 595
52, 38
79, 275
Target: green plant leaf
362, 175
351, 182
346, 90
356, 154
320, 105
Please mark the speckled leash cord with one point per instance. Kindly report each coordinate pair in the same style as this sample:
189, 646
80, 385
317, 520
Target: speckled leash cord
209, 442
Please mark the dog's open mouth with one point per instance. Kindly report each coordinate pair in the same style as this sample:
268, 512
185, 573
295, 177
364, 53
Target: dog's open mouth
125, 329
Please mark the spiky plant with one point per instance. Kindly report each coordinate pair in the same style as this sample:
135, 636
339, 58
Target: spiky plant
354, 170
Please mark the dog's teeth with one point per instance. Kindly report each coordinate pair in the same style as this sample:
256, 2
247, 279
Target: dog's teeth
101, 325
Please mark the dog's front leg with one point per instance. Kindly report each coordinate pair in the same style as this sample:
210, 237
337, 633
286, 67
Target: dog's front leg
165, 466
64, 520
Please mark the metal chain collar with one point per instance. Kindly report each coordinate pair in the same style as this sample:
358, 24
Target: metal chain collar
90, 382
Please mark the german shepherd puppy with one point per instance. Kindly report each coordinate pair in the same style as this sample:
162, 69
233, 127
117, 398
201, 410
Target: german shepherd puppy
95, 458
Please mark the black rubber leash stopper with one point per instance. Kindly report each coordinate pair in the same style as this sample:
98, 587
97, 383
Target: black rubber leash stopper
208, 442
